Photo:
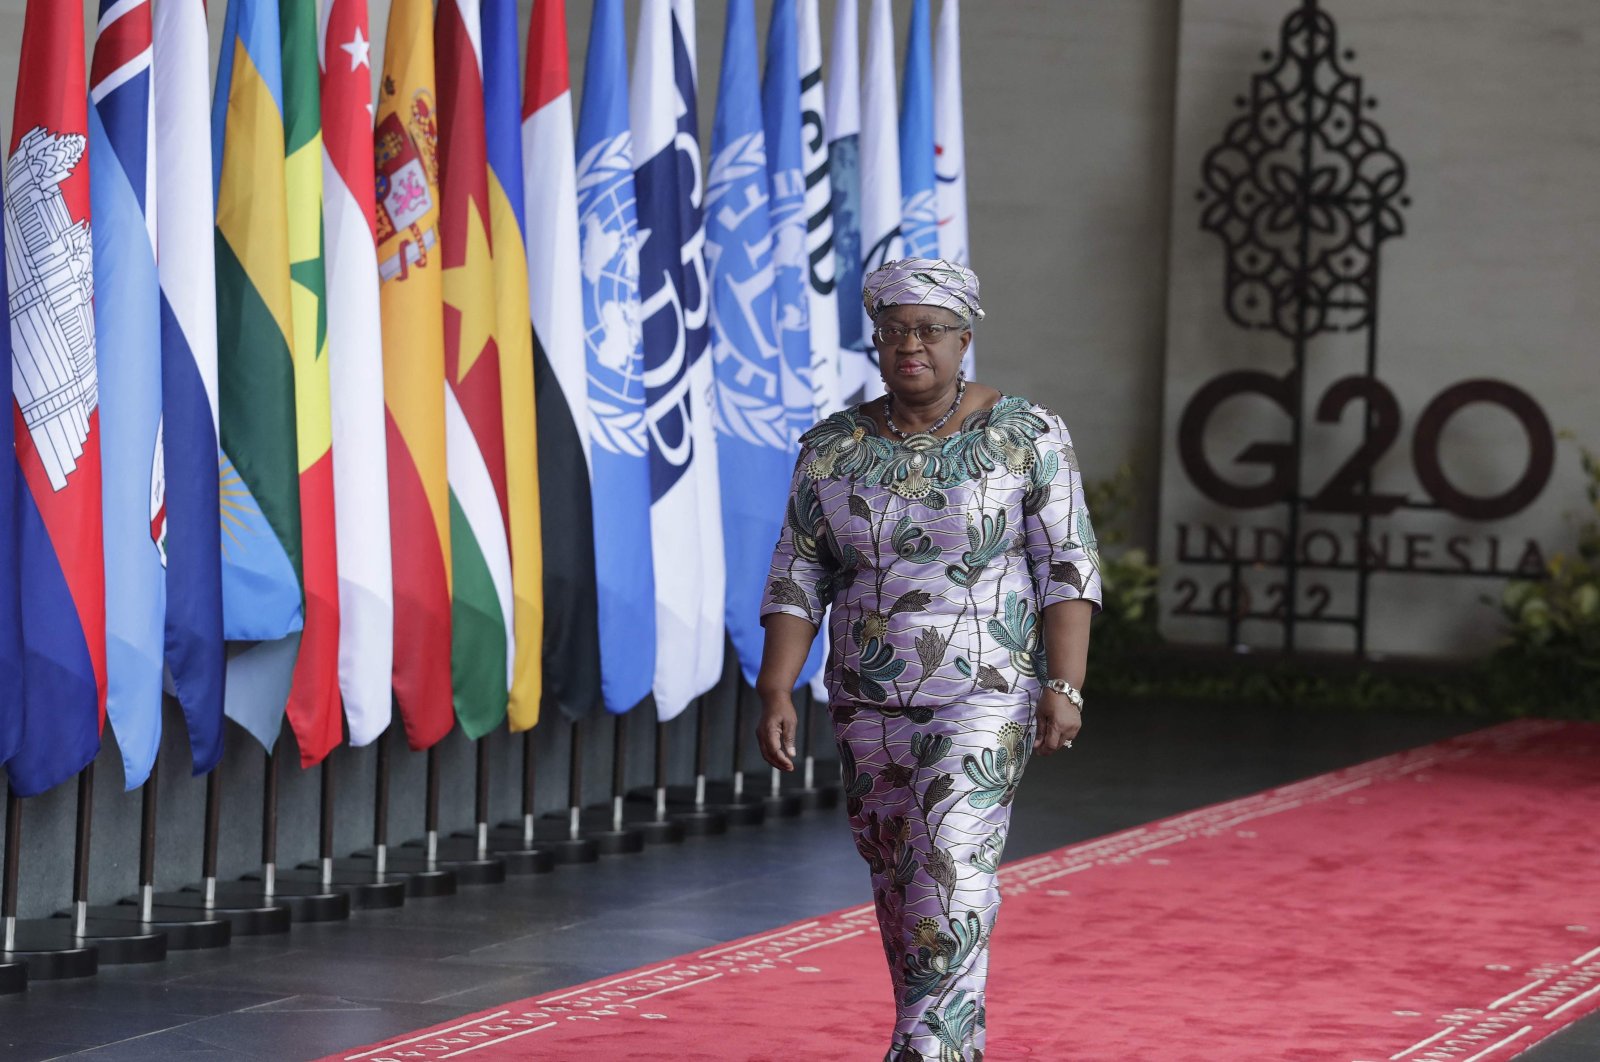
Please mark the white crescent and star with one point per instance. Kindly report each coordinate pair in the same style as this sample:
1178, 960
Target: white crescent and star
360, 51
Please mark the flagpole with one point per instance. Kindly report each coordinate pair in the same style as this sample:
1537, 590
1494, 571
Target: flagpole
431, 854
605, 831
116, 942
520, 856
186, 929
811, 795
684, 806
372, 870
13, 974
652, 825
47, 947
306, 900
563, 835
777, 803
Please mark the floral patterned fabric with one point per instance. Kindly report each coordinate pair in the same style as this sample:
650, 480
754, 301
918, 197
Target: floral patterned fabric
935, 556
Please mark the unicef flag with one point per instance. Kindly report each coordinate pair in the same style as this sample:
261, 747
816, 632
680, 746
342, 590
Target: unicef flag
609, 255
753, 429
919, 205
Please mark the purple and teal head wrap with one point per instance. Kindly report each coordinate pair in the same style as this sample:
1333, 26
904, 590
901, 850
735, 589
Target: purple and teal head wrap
923, 282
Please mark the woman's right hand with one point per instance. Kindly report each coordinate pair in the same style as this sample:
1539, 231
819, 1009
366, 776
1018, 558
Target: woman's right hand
776, 732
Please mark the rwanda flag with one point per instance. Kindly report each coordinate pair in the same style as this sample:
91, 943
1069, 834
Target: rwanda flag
56, 389
261, 595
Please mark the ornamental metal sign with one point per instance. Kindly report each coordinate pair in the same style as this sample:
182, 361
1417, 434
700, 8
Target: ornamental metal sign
1330, 483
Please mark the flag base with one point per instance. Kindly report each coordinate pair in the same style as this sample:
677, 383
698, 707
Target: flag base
693, 821
553, 837
420, 883
519, 859
365, 894
469, 869
50, 952
747, 809
638, 817
185, 930
791, 798
247, 916
305, 903
13, 978
597, 830
117, 942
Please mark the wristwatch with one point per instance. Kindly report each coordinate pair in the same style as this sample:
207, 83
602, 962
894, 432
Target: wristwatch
1066, 689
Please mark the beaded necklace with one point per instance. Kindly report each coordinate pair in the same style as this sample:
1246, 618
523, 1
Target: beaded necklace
888, 417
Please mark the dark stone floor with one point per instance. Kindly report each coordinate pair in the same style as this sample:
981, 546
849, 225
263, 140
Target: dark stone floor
322, 988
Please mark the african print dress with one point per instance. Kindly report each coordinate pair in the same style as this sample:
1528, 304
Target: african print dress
936, 555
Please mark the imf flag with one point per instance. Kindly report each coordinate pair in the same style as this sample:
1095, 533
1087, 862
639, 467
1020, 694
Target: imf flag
619, 426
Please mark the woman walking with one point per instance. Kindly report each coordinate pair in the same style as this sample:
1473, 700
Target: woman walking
945, 525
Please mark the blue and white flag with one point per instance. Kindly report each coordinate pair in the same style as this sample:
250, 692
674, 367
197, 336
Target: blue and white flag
880, 169
696, 294
127, 305
919, 212
753, 433
827, 386
670, 405
11, 682
187, 271
780, 117
844, 176
608, 228
950, 147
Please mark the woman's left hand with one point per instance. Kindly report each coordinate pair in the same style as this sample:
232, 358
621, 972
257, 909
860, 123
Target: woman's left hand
1059, 722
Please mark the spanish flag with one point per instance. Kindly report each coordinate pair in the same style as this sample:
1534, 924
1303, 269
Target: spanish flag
479, 517
513, 333
411, 265
314, 708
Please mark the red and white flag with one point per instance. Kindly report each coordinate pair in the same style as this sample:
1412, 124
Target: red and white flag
361, 485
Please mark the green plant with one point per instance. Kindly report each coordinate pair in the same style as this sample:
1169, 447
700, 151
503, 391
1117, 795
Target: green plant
1128, 578
1553, 624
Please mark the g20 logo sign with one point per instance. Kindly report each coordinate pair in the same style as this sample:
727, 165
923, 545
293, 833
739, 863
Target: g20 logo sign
1343, 491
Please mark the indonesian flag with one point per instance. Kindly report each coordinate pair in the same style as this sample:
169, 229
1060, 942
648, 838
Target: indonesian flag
561, 382
481, 650
410, 265
355, 367
314, 704
56, 416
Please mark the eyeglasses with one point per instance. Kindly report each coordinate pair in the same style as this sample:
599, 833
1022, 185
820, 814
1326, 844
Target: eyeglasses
894, 335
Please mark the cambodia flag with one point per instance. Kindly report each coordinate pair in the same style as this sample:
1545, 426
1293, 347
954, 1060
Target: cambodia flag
10, 596
56, 413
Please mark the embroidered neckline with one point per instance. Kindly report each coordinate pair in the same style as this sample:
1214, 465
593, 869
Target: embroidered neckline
849, 445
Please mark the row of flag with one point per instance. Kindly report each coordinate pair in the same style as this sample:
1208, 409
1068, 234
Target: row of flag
428, 405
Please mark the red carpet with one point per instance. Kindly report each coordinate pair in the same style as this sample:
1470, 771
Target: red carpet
1439, 904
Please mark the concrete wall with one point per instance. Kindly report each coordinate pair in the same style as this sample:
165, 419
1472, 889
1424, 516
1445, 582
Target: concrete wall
1068, 123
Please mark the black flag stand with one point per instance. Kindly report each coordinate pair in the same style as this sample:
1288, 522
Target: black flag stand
186, 929
608, 834
777, 802
685, 805
117, 941
418, 881
368, 891
428, 853
650, 823
520, 857
13, 972
248, 915
562, 832
307, 900
49, 956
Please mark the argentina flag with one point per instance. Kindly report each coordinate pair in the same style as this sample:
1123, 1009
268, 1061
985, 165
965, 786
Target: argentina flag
919, 209
620, 434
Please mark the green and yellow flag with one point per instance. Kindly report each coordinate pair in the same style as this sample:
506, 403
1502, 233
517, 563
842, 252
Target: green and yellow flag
314, 705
